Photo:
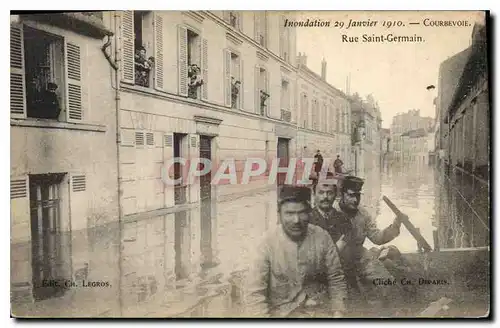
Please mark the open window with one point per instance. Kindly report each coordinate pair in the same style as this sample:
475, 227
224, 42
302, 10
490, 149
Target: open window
46, 80
286, 114
233, 73
262, 90
44, 74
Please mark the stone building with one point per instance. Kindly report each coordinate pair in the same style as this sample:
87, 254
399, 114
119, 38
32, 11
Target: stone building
324, 116
63, 167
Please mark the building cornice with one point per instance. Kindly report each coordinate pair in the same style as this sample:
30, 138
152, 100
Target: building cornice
243, 36
234, 39
195, 15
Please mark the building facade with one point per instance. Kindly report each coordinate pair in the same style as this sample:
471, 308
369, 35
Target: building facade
402, 123
64, 179
366, 126
324, 116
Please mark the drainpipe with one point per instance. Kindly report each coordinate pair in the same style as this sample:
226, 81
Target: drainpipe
114, 65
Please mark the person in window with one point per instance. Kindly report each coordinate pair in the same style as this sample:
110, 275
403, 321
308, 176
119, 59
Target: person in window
195, 80
235, 89
296, 270
143, 67
49, 107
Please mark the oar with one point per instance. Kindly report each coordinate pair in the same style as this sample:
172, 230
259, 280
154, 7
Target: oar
406, 222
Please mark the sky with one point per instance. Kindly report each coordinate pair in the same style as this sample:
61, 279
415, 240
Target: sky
396, 74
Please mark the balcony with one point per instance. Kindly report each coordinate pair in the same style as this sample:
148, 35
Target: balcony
286, 115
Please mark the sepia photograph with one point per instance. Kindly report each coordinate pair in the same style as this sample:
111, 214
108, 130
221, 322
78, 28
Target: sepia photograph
250, 164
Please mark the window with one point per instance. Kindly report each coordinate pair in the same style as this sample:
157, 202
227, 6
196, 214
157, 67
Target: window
143, 59
235, 74
315, 114
44, 67
261, 28
305, 111
232, 18
262, 87
286, 114
284, 39
337, 121
45, 76
192, 64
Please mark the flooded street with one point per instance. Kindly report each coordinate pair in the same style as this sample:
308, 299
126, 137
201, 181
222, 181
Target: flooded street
188, 263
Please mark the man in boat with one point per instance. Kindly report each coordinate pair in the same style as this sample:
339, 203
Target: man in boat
324, 215
358, 262
297, 270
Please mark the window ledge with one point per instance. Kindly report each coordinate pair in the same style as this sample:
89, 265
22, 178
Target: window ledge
47, 124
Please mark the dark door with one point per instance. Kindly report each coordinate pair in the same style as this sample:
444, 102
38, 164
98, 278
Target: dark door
179, 188
206, 205
283, 158
47, 261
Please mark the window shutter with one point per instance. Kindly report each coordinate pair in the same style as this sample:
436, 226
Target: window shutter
204, 67
20, 207
17, 77
227, 77
182, 58
168, 154
242, 88
78, 200
158, 35
128, 69
74, 94
194, 154
257, 89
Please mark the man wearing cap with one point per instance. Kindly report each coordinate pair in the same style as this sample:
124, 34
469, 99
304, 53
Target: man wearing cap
297, 269
356, 259
324, 215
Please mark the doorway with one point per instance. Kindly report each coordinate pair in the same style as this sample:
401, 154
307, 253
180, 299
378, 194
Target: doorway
283, 158
45, 215
207, 259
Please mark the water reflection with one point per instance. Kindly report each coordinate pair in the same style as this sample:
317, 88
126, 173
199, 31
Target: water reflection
186, 263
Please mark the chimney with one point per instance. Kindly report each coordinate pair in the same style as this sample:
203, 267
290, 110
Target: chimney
323, 69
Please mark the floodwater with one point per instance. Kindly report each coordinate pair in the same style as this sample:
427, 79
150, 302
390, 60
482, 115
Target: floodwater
187, 263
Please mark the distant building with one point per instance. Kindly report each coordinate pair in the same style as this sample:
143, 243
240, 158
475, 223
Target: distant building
403, 123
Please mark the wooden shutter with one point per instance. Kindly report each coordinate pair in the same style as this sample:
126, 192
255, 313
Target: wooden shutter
20, 208
17, 74
128, 69
257, 89
242, 88
194, 154
227, 78
204, 68
78, 196
168, 154
158, 46
74, 92
182, 60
